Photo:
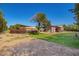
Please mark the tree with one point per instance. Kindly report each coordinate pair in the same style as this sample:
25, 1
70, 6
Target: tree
16, 26
75, 11
41, 21
72, 27
65, 27
3, 23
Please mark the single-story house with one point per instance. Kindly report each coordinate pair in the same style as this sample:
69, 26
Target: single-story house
30, 28
57, 28
54, 29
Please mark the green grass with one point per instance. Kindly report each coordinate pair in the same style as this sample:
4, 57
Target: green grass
66, 39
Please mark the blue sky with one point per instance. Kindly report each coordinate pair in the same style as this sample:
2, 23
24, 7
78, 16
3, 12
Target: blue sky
21, 13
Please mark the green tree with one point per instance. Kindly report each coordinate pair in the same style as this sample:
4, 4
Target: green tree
72, 27
3, 23
75, 11
16, 26
41, 21
65, 27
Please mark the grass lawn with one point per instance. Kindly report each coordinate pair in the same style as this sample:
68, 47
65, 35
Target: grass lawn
66, 39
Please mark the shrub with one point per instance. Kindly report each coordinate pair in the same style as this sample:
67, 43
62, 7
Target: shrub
19, 30
33, 32
12, 30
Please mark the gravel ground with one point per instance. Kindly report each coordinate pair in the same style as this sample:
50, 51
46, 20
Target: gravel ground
38, 48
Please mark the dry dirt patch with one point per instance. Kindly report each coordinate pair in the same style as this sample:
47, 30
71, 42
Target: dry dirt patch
12, 39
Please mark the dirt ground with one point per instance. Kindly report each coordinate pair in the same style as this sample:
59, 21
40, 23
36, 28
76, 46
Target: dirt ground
8, 39
24, 45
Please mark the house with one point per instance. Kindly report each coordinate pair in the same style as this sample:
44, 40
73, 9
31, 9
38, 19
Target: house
53, 28
30, 28
60, 28
57, 29
24, 29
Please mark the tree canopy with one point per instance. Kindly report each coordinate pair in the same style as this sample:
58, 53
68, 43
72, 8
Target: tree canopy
75, 11
16, 26
3, 23
42, 21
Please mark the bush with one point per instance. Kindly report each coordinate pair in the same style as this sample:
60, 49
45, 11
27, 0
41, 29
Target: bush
19, 30
33, 32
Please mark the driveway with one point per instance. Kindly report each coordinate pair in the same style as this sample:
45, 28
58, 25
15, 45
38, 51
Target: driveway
36, 47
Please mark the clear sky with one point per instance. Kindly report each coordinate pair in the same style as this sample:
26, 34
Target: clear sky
58, 14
